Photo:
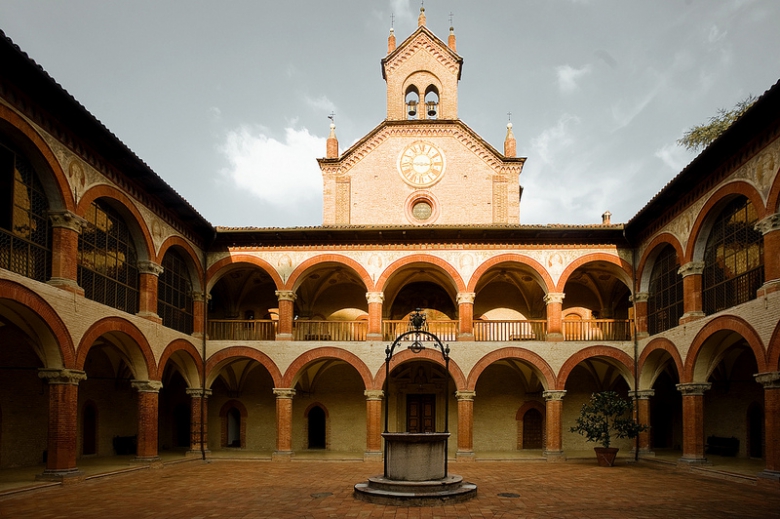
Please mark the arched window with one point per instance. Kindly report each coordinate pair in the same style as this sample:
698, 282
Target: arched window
108, 270
733, 259
432, 103
174, 293
412, 103
665, 301
25, 232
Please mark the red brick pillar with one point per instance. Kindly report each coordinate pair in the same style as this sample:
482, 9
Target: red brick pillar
692, 287
554, 302
465, 316
148, 393
693, 421
465, 425
199, 409
770, 228
284, 406
286, 315
148, 275
63, 423
771, 383
65, 229
198, 317
373, 423
375, 300
640, 313
554, 420
642, 415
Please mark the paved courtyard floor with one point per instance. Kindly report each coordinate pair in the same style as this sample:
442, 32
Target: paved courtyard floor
315, 489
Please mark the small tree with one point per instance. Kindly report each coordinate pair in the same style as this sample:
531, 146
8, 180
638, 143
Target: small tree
700, 136
605, 415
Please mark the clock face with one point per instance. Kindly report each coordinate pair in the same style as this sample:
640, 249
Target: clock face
421, 164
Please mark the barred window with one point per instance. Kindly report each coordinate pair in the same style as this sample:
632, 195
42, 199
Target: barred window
25, 230
174, 293
665, 301
733, 259
108, 270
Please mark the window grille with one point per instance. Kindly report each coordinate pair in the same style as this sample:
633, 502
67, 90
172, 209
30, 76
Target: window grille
733, 259
25, 230
665, 301
108, 270
174, 293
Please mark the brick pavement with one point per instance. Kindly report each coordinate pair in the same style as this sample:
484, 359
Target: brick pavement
249, 489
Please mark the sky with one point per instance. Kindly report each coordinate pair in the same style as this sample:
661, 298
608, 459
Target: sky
228, 101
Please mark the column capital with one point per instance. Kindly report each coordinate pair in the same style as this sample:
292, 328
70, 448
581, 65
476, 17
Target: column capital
200, 297
693, 388
770, 380
284, 392
67, 220
150, 267
465, 298
465, 396
642, 394
374, 394
554, 297
285, 295
56, 376
374, 297
146, 386
692, 268
554, 395
768, 224
639, 297
198, 392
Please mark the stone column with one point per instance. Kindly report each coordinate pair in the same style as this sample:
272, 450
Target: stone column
375, 300
771, 383
284, 404
770, 228
65, 229
640, 313
693, 421
148, 393
286, 314
554, 302
199, 325
373, 423
465, 425
465, 316
642, 415
692, 291
148, 275
554, 420
63, 423
199, 403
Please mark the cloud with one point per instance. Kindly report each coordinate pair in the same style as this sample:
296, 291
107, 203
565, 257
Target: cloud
402, 11
546, 145
279, 173
674, 156
568, 76
321, 103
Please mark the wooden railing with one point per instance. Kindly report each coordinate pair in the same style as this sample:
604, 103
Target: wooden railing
330, 330
510, 330
444, 330
597, 330
242, 329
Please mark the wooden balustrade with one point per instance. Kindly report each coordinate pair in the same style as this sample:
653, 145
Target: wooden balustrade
597, 330
444, 330
529, 330
330, 330
242, 329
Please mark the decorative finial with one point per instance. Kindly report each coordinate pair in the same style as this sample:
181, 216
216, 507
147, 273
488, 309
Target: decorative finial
332, 118
421, 18
509, 114
392, 21
451, 26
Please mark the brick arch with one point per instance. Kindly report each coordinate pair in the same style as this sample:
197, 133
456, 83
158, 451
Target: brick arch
322, 353
297, 276
696, 242
609, 352
139, 224
531, 404
236, 259
316, 404
511, 258
118, 324
773, 355
655, 345
195, 260
512, 352
227, 406
725, 323
431, 354
651, 251
594, 257
59, 176
185, 346
394, 267
235, 352
61, 343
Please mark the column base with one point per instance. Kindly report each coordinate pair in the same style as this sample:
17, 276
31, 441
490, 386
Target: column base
691, 316
150, 460
554, 337
66, 284
642, 335
197, 453
768, 287
769, 477
554, 456
467, 456
65, 477
282, 456
374, 337
687, 462
465, 336
284, 336
372, 456
150, 316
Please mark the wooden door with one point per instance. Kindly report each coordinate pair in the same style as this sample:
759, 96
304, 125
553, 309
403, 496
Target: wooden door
421, 413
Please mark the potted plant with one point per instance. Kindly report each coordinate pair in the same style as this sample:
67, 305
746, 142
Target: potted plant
605, 416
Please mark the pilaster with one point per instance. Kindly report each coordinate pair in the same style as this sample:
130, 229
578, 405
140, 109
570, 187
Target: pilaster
554, 419
199, 409
284, 401
374, 399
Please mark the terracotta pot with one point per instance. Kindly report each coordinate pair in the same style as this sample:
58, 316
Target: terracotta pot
606, 455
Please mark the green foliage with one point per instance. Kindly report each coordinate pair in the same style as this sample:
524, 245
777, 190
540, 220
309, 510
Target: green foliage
605, 415
699, 137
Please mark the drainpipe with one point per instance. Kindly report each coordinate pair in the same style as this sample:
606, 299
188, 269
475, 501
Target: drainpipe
204, 281
636, 341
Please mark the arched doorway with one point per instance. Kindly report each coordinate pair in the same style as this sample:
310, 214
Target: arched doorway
755, 431
89, 429
533, 432
316, 427
233, 427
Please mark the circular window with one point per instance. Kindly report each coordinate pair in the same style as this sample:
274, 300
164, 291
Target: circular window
422, 210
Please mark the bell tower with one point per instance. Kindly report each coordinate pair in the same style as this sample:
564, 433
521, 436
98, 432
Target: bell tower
422, 76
